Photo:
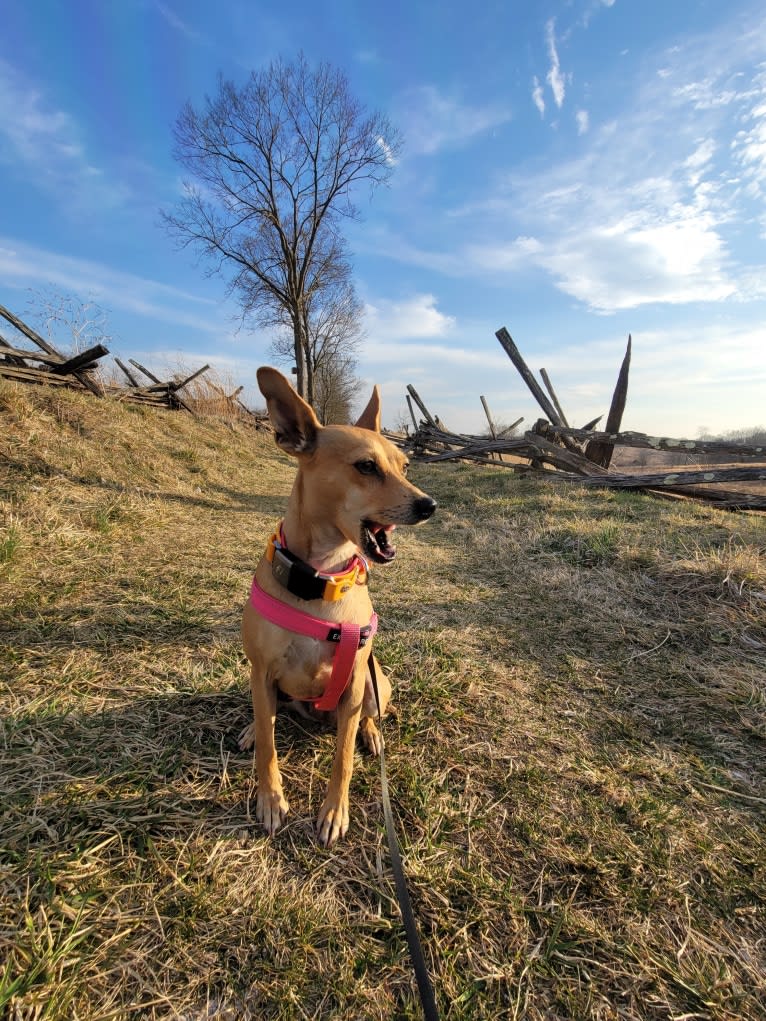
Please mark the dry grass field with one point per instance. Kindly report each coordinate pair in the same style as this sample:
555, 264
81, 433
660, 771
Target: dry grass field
577, 759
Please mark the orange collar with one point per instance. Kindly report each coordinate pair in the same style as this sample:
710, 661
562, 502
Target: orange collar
303, 581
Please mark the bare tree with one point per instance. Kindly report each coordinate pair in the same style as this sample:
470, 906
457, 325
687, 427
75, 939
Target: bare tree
333, 334
275, 165
82, 321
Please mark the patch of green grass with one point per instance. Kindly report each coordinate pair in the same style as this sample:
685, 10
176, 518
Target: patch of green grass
10, 541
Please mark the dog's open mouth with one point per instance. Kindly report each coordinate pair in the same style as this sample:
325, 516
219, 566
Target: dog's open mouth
375, 542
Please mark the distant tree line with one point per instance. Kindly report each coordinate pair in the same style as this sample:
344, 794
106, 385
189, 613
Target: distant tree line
754, 436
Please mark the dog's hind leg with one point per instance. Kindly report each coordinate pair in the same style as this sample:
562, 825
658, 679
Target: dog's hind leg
371, 736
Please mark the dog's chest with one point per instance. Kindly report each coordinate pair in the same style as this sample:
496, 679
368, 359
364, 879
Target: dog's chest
304, 667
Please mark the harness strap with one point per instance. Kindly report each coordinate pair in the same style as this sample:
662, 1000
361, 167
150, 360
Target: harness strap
349, 638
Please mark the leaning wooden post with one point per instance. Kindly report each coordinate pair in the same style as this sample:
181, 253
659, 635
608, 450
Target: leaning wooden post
421, 405
601, 453
554, 398
509, 428
515, 355
131, 378
149, 375
179, 386
493, 432
592, 424
412, 413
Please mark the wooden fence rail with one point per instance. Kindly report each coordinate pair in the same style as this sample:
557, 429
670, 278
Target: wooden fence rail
584, 455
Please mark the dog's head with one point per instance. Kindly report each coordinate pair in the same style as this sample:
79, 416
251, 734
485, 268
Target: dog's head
350, 476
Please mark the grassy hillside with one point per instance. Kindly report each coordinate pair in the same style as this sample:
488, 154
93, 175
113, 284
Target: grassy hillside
577, 759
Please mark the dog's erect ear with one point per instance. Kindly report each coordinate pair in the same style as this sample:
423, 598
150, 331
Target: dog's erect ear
296, 427
370, 417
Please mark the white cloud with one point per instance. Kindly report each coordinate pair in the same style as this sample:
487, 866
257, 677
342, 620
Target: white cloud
555, 78
626, 265
416, 318
44, 143
433, 121
387, 152
583, 121
537, 96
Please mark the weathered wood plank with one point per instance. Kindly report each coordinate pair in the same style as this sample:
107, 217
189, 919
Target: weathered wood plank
131, 378
140, 367
81, 361
179, 386
33, 356
514, 354
30, 374
554, 398
670, 479
676, 446
29, 333
426, 413
601, 453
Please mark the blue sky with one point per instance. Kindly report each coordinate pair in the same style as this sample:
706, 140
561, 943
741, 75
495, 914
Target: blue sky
575, 170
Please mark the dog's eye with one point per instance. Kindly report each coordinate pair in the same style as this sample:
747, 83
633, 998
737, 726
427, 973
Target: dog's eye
367, 467
405, 467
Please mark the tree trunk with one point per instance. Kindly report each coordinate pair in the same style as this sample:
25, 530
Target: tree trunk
300, 356
310, 366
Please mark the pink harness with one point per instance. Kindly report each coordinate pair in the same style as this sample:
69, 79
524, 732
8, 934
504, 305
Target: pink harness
349, 637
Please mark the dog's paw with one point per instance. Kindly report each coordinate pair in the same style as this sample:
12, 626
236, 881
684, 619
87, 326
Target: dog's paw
332, 821
371, 736
271, 810
246, 739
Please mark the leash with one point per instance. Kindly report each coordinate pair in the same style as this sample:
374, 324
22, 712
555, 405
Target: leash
425, 989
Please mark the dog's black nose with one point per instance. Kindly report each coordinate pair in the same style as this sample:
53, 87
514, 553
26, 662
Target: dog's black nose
424, 507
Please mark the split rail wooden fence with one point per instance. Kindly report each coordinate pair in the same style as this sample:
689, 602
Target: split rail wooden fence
556, 451
43, 363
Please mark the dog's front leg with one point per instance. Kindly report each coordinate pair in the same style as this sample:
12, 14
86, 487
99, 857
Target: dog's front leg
271, 807
332, 821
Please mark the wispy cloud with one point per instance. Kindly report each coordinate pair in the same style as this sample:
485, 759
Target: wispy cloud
555, 77
433, 121
23, 265
583, 121
537, 96
664, 205
592, 8
44, 143
367, 56
749, 145
178, 24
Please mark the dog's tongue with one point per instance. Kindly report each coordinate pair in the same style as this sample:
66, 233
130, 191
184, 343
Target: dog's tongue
381, 534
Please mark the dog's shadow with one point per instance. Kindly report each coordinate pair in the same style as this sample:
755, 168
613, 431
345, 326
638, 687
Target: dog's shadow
153, 766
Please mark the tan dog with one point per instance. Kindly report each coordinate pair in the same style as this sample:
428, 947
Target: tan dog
349, 494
